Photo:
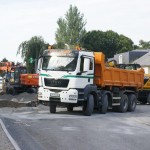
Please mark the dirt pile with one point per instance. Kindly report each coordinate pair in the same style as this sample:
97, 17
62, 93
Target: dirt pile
19, 100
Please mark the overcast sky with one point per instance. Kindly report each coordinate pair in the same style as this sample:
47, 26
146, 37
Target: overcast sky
22, 19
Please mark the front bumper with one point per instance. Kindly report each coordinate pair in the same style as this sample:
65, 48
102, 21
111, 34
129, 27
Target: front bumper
70, 96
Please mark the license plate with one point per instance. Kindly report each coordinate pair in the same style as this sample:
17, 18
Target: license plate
54, 95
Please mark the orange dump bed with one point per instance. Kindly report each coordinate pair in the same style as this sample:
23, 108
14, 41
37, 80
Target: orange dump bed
111, 76
29, 79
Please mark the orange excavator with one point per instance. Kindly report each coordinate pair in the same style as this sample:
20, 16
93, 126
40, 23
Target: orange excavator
18, 80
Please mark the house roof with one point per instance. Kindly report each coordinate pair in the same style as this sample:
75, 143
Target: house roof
140, 50
144, 60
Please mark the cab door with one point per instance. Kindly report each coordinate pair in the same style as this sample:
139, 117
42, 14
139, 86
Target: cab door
87, 69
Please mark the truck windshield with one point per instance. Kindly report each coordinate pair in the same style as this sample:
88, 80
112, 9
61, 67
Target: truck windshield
59, 63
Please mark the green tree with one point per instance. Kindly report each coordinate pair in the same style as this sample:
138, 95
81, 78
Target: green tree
108, 42
125, 44
4, 60
144, 44
30, 51
70, 29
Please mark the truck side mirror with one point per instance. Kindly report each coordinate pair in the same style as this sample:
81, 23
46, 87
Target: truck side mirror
39, 65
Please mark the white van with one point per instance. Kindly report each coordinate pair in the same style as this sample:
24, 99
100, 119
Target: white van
1, 82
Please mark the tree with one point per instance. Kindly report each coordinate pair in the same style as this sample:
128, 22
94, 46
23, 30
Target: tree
4, 60
125, 44
71, 29
30, 51
144, 44
108, 42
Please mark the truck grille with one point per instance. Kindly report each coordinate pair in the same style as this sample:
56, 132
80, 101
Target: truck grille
56, 82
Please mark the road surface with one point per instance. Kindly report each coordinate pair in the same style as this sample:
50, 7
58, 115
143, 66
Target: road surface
35, 128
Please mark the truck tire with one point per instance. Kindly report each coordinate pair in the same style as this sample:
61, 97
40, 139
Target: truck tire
89, 105
132, 102
123, 103
70, 108
12, 91
104, 106
52, 108
148, 98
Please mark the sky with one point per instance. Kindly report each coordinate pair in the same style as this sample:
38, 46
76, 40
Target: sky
22, 19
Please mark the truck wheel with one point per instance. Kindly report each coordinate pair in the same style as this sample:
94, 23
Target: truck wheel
70, 108
52, 108
132, 102
148, 98
104, 106
89, 106
12, 91
123, 103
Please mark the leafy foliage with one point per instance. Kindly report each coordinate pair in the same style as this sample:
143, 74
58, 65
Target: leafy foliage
30, 51
4, 60
144, 44
108, 42
71, 29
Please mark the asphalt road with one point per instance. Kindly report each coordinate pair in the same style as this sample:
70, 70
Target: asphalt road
37, 129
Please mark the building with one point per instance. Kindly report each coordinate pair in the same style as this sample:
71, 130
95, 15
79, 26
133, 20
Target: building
130, 56
139, 56
144, 61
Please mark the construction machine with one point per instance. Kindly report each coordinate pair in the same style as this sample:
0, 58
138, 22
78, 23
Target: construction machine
18, 80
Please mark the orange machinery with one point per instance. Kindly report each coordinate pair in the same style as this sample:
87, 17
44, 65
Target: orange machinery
29, 79
19, 81
5, 66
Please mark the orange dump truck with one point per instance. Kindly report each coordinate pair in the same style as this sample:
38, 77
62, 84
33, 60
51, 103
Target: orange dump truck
81, 78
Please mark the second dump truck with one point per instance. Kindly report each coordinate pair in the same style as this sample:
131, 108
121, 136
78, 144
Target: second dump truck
144, 94
81, 78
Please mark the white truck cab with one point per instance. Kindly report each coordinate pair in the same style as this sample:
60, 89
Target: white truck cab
65, 76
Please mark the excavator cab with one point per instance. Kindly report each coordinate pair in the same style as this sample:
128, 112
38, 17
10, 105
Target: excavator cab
17, 72
12, 80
